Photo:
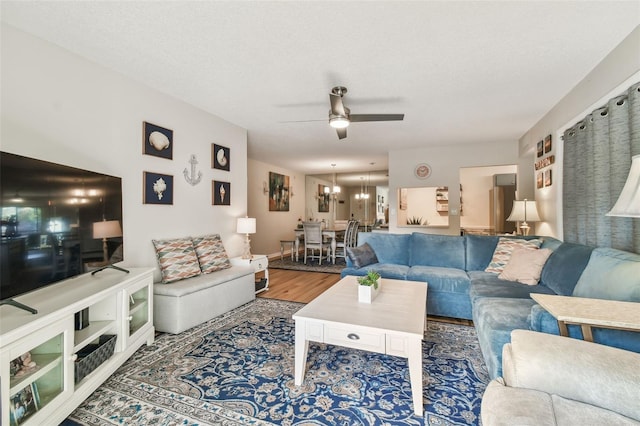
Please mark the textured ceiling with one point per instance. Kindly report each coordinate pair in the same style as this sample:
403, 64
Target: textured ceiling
461, 72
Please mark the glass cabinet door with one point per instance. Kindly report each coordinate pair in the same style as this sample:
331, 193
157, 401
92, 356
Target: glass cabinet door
38, 374
139, 310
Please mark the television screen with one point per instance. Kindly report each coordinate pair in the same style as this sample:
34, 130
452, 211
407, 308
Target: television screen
48, 212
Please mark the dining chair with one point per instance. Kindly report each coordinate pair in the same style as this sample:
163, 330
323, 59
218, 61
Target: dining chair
313, 241
346, 240
353, 242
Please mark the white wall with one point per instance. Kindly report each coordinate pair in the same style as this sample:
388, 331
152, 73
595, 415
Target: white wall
445, 162
615, 73
59, 107
271, 227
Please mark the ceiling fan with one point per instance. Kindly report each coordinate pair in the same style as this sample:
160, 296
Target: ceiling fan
340, 116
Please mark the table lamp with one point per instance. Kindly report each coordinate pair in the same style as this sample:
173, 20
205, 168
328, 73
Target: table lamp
246, 225
106, 229
524, 211
628, 204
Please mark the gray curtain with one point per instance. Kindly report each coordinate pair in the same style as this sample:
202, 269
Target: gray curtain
597, 159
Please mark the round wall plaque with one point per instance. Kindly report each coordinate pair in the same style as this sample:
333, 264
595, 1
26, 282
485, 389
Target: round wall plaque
422, 171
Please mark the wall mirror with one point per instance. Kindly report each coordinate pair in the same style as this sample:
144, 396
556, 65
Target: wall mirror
423, 206
355, 195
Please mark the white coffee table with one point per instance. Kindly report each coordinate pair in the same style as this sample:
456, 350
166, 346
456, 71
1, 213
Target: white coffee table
393, 324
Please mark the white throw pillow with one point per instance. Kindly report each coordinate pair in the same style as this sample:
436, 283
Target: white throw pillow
525, 265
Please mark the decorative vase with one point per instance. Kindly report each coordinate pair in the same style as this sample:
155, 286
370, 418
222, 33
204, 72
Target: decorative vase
367, 293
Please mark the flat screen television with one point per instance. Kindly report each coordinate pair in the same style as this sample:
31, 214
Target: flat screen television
47, 213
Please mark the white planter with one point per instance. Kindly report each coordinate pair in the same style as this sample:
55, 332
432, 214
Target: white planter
366, 293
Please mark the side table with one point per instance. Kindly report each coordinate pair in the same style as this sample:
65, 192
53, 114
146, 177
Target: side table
260, 264
589, 313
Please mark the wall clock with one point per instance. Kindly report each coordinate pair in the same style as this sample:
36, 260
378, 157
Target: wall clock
422, 171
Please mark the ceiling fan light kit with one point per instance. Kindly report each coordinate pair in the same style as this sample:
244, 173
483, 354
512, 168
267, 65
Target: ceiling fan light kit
340, 116
338, 122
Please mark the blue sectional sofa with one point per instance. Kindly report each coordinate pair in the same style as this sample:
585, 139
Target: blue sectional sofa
459, 287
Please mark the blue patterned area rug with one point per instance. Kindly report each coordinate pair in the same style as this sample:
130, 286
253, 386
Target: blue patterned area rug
237, 369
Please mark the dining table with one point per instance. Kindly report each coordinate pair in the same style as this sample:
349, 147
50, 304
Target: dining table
329, 233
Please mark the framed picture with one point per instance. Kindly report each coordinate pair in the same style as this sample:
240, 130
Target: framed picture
323, 199
540, 149
22, 405
547, 144
540, 180
278, 192
220, 157
157, 141
547, 178
221, 193
158, 188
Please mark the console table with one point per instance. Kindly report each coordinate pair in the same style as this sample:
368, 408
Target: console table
119, 304
589, 313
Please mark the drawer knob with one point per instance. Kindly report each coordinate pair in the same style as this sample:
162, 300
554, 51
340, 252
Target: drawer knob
353, 336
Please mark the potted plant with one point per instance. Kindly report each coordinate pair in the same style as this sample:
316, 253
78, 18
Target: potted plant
368, 287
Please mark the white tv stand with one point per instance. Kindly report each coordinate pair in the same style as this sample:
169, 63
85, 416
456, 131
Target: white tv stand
119, 304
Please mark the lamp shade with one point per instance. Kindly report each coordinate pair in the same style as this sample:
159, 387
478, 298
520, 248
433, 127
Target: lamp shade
107, 229
246, 225
524, 211
628, 204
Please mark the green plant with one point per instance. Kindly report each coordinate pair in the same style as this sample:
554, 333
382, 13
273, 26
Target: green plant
414, 221
371, 279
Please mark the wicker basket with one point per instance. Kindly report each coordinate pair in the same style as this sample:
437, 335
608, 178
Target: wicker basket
91, 356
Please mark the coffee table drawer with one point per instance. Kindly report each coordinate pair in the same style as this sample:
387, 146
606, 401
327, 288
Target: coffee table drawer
355, 337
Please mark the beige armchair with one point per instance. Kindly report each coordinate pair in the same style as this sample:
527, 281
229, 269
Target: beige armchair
553, 380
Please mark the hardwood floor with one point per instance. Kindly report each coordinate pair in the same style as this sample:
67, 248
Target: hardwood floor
297, 286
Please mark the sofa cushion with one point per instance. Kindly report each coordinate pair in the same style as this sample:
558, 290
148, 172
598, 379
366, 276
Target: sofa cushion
505, 247
610, 274
525, 266
211, 253
201, 282
362, 255
494, 319
440, 278
564, 266
177, 259
437, 250
389, 248
487, 284
480, 250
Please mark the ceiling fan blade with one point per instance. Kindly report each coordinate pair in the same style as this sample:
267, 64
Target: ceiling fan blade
301, 121
376, 117
342, 133
337, 108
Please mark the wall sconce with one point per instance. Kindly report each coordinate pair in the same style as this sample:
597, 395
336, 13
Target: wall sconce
265, 187
291, 191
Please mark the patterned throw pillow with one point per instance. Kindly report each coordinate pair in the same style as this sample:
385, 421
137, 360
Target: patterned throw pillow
177, 259
211, 253
503, 251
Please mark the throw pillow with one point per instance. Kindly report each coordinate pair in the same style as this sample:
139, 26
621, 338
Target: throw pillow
505, 247
177, 259
525, 265
211, 253
362, 255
